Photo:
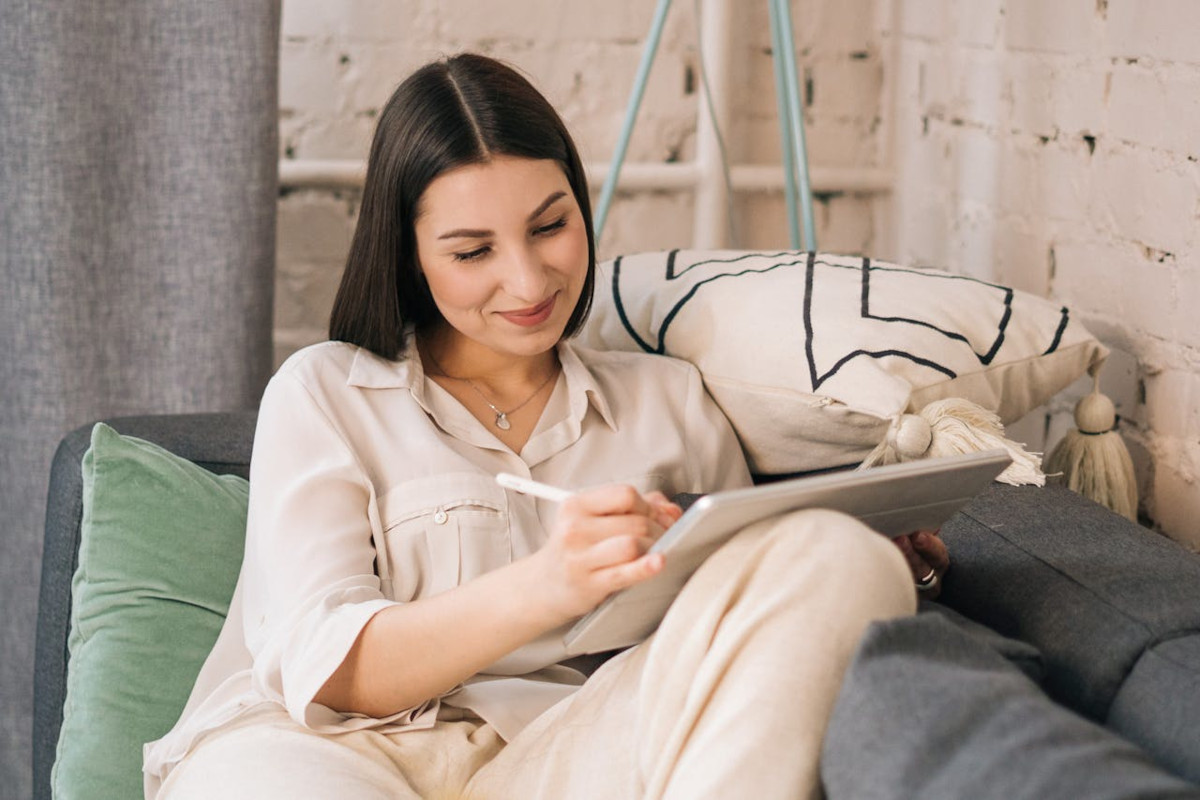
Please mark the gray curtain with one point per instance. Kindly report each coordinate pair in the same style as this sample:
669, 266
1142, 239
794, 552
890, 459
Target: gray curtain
138, 153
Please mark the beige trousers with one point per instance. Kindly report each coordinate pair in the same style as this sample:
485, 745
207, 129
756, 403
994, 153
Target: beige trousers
729, 698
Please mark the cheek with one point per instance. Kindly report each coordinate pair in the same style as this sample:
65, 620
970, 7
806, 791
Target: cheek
570, 252
455, 292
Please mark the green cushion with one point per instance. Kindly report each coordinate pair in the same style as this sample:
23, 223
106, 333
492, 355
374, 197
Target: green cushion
161, 545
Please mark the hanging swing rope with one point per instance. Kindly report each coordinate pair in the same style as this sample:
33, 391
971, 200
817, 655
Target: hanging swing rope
797, 190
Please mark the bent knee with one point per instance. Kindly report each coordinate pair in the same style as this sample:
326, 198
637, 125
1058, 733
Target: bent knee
843, 544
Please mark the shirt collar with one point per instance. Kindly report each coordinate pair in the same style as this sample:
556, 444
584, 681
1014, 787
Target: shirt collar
369, 371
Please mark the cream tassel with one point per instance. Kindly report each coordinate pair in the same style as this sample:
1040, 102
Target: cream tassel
952, 427
1093, 460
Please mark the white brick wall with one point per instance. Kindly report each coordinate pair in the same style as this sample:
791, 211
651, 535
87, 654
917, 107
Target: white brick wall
1049, 145
1053, 146
341, 61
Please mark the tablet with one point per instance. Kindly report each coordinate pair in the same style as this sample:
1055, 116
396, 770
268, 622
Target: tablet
894, 500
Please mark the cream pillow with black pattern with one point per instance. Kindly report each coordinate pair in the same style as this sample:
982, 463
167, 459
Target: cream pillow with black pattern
813, 356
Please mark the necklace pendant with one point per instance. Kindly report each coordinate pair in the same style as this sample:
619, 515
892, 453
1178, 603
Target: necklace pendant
502, 421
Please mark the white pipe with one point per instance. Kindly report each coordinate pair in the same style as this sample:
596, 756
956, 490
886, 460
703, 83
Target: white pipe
322, 174
652, 176
643, 176
710, 228
824, 180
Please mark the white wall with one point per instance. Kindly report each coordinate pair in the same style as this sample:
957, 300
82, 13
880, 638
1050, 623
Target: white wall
341, 61
1052, 146
1048, 145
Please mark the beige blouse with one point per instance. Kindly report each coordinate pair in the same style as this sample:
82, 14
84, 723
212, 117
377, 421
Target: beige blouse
371, 486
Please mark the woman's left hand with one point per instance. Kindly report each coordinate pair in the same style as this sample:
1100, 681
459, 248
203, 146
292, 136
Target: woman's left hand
928, 559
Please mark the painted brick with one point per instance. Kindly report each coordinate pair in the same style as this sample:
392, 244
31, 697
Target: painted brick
923, 19
1150, 204
550, 20
309, 19
1049, 95
979, 22
329, 138
313, 227
975, 240
1064, 182
924, 232
818, 27
939, 78
1033, 79
1188, 270
1061, 26
978, 163
1085, 275
844, 224
846, 87
304, 294
1079, 99
1022, 259
1151, 304
1157, 29
843, 27
981, 89
375, 71
310, 80
976, 190
1160, 109
386, 21
627, 232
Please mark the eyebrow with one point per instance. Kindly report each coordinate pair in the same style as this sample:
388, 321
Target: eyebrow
476, 233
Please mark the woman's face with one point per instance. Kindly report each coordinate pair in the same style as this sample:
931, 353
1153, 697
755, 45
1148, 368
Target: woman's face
504, 249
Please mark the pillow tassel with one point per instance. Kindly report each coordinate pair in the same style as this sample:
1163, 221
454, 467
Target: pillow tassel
954, 426
1093, 460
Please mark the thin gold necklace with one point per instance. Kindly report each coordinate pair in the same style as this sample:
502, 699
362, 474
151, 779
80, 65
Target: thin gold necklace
501, 416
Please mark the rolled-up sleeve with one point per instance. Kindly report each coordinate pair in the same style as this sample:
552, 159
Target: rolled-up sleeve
309, 575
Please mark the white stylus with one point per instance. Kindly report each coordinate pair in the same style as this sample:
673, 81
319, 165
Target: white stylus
527, 486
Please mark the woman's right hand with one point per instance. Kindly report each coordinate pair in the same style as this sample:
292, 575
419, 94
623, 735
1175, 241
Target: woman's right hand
599, 545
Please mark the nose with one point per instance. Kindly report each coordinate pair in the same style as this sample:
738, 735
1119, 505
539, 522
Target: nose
525, 276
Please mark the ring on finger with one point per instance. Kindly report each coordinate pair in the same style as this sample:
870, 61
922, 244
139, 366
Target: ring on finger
928, 582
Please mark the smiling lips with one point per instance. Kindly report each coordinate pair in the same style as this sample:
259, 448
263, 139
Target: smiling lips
528, 317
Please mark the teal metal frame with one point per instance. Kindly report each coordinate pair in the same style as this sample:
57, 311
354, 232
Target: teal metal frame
797, 186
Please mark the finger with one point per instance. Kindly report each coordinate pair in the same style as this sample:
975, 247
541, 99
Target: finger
916, 564
664, 512
586, 531
616, 498
614, 579
615, 551
932, 550
659, 500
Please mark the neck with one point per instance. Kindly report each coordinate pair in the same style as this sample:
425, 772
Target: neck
459, 358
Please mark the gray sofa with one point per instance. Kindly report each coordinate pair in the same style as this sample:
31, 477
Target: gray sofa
1062, 659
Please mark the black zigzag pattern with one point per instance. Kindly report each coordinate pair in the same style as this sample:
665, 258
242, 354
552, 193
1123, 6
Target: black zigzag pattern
811, 261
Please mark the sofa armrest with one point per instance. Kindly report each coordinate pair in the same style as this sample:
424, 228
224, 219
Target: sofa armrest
1091, 590
219, 442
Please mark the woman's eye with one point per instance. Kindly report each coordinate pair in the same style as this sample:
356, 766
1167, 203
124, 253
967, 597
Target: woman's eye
551, 228
472, 255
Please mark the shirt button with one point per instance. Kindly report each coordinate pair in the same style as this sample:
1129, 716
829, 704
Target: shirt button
440, 517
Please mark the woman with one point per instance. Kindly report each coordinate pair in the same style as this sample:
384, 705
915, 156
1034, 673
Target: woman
397, 628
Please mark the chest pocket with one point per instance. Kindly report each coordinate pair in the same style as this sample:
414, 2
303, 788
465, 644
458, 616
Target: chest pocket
444, 530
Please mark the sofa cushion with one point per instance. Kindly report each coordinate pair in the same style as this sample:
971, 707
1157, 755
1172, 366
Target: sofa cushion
160, 548
929, 710
812, 355
1091, 590
1158, 706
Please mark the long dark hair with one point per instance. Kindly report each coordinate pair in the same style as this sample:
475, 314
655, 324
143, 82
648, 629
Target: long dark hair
462, 110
